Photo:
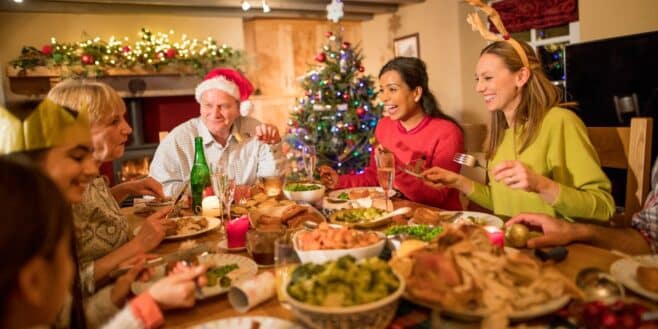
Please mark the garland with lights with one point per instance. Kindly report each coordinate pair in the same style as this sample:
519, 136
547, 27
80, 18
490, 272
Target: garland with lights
337, 113
151, 52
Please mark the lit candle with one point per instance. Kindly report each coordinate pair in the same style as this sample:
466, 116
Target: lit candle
496, 236
210, 206
236, 230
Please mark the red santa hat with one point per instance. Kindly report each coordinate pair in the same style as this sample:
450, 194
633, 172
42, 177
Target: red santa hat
231, 82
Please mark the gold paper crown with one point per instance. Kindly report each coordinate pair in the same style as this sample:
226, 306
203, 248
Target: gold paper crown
478, 25
42, 127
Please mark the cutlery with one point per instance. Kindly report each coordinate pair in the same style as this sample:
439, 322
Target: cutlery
176, 208
467, 160
165, 259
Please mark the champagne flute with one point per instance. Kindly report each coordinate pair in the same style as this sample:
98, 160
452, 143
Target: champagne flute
309, 158
285, 262
385, 161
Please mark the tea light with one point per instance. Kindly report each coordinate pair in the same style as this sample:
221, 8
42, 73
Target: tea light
210, 206
272, 185
496, 236
236, 230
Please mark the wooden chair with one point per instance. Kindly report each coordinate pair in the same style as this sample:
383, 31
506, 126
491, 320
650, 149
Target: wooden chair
627, 148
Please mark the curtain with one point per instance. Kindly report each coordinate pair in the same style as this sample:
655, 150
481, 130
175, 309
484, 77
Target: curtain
522, 15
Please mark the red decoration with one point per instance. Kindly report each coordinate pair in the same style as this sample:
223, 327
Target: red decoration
47, 50
346, 45
208, 192
321, 57
170, 53
87, 59
360, 111
362, 69
351, 128
328, 34
125, 49
346, 97
522, 15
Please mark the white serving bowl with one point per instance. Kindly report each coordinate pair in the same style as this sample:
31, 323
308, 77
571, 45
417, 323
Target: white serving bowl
325, 255
313, 196
374, 315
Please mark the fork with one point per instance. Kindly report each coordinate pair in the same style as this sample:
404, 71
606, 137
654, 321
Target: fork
467, 160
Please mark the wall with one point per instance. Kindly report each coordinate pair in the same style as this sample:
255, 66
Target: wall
36, 29
601, 19
439, 46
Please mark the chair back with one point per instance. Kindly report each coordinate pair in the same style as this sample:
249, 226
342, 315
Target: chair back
627, 148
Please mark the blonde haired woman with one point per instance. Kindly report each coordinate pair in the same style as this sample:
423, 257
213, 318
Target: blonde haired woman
102, 232
539, 156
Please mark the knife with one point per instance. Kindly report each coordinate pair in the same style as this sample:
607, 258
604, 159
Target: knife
165, 259
178, 197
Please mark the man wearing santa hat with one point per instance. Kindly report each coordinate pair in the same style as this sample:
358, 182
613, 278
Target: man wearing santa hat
233, 143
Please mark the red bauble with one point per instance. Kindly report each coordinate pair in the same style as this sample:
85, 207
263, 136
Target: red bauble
346, 96
346, 45
87, 59
351, 128
321, 57
328, 34
171, 53
125, 49
360, 111
47, 50
362, 69
208, 191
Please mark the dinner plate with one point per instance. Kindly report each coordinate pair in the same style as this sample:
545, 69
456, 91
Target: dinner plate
527, 314
625, 269
335, 193
248, 322
247, 268
213, 223
487, 219
375, 222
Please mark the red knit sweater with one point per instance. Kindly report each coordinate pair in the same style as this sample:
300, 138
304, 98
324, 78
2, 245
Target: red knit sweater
436, 139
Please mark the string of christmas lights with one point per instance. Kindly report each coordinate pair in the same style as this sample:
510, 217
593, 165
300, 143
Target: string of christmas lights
151, 52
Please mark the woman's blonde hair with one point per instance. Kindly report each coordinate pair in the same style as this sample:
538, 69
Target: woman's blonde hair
538, 96
100, 100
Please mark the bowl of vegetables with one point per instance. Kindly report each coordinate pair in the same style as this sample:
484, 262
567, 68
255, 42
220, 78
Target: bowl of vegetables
305, 192
345, 293
398, 233
330, 242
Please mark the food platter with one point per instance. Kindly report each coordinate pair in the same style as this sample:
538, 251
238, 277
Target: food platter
212, 223
247, 268
467, 315
361, 192
458, 217
249, 322
365, 217
625, 269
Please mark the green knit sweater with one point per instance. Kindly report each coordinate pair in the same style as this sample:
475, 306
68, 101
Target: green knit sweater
562, 152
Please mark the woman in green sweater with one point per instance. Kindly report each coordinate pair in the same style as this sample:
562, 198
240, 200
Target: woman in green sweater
539, 156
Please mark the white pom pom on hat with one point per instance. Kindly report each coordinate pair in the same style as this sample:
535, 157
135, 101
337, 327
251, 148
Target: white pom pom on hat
231, 82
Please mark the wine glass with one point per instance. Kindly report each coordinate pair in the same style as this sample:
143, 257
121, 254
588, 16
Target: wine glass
309, 158
385, 161
285, 262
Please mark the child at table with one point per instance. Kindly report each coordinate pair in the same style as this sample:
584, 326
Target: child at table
415, 130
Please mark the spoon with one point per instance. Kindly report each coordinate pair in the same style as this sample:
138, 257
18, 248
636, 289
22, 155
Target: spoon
597, 284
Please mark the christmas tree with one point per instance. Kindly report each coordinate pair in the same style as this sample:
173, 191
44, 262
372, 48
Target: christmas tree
338, 113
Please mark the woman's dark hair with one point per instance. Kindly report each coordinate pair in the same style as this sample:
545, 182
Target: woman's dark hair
414, 73
36, 218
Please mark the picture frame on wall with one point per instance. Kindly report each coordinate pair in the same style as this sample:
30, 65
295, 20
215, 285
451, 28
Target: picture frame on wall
407, 46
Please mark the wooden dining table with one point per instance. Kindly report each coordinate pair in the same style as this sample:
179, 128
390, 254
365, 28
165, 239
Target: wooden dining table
580, 256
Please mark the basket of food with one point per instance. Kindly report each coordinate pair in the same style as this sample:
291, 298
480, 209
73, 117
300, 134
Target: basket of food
345, 293
330, 242
305, 192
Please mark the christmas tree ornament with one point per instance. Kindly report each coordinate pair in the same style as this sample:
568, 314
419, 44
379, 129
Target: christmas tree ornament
362, 69
47, 50
342, 107
360, 111
335, 11
328, 34
346, 45
321, 57
346, 97
351, 128
87, 59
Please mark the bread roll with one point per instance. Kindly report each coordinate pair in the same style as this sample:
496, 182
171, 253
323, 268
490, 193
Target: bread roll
647, 277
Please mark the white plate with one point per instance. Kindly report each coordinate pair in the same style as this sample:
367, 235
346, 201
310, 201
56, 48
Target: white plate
335, 193
625, 269
490, 220
246, 269
213, 223
246, 322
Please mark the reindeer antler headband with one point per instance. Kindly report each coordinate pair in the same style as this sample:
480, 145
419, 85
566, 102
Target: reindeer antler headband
478, 25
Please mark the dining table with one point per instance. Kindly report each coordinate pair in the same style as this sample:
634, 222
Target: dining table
580, 256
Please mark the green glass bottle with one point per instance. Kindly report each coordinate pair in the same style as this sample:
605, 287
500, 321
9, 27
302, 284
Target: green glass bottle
199, 176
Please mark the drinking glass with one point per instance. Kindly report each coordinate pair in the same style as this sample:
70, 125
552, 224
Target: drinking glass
385, 161
285, 262
260, 244
309, 158
272, 185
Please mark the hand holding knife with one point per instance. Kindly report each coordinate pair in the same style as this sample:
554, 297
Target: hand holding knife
165, 259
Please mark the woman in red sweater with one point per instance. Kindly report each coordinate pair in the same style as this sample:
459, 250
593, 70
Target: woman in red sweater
414, 129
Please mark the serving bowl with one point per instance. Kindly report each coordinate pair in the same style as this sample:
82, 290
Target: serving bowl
311, 196
324, 255
374, 315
